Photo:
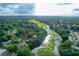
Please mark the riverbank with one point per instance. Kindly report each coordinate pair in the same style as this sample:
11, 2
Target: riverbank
50, 44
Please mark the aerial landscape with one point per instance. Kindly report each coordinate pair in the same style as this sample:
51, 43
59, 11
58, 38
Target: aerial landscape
28, 29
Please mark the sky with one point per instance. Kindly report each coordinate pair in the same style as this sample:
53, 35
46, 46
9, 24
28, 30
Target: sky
40, 9
16, 8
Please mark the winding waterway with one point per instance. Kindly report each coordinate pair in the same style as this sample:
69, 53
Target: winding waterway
56, 40
47, 38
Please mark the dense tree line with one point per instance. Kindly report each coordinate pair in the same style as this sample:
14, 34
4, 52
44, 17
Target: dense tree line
20, 36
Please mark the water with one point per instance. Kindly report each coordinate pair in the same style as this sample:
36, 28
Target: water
48, 35
44, 42
57, 42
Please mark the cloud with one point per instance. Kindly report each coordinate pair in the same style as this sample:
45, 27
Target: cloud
7, 11
76, 9
61, 4
51, 9
12, 6
55, 9
25, 8
16, 8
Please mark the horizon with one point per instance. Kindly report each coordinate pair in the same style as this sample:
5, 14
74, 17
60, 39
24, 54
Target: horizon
34, 16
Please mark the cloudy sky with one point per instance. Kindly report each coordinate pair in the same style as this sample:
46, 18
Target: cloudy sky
16, 8
40, 9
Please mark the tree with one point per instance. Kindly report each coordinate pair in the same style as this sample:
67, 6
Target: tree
12, 47
14, 39
45, 52
67, 44
24, 51
3, 36
2, 33
66, 49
